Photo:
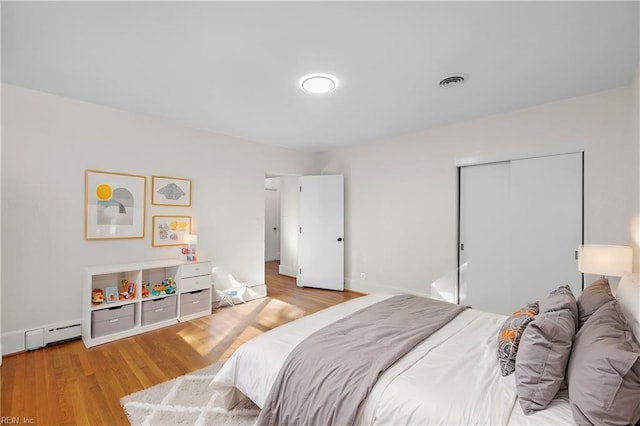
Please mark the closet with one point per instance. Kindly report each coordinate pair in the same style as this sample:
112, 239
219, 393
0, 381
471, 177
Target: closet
520, 224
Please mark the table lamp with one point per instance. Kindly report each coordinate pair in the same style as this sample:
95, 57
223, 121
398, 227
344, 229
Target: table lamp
605, 260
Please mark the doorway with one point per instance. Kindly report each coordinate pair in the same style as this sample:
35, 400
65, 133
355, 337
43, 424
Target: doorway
271, 225
285, 190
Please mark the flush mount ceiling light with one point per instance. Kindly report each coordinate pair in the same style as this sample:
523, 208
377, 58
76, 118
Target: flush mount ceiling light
318, 83
453, 80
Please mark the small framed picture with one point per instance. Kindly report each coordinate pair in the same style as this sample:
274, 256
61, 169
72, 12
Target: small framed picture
114, 205
170, 191
170, 230
111, 294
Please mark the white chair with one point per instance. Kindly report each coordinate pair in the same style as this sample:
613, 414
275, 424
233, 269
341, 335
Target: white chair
226, 287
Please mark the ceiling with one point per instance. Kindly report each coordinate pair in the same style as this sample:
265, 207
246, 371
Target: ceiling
234, 67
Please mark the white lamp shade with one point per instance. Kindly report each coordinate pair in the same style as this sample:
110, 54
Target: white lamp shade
191, 239
604, 260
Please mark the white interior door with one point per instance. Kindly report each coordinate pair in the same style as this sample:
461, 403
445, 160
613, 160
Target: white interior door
484, 238
271, 228
320, 244
520, 224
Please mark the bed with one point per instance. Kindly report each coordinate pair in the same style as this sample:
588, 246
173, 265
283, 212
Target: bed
452, 377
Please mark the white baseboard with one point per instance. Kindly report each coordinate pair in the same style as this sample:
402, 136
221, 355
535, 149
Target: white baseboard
290, 271
14, 341
256, 291
367, 287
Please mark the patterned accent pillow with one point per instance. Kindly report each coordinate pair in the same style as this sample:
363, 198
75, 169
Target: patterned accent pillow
510, 335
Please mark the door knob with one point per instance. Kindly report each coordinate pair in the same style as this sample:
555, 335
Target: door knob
339, 238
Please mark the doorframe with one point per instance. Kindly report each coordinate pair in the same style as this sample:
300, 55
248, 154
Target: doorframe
502, 157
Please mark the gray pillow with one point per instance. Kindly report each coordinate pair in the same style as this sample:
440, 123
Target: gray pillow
542, 358
604, 370
561, 298
594, 296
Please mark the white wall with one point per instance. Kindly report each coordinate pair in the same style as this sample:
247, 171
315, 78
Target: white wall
401, 193
49, 141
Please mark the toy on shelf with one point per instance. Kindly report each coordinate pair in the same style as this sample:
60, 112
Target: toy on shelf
97, 296
189, 253
170, 286
111, 294
145, 289
190, 250
157, 290
127, 290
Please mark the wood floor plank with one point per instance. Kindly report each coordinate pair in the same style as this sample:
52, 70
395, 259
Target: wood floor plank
68, 384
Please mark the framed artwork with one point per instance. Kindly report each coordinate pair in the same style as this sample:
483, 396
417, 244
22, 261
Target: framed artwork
111, 294
114, 205
170, 230
170, 191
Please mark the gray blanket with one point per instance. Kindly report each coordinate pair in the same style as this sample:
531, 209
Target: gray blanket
327, 377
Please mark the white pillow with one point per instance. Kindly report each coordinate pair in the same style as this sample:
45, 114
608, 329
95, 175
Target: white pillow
628, 295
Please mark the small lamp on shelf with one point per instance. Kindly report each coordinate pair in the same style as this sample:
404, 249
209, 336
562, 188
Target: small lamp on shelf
190, 251
605, 260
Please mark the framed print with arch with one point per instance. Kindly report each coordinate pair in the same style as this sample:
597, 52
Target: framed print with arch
170, 230
170, 191
114, 205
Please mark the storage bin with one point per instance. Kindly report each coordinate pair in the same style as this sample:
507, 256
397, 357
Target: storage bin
195, 302
158, 310
112, 320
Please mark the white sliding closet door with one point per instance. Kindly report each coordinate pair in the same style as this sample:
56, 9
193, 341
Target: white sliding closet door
520, 225
546, 225
484, 210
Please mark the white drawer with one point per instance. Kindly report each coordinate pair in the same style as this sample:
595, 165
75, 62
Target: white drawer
195, 269
195, 283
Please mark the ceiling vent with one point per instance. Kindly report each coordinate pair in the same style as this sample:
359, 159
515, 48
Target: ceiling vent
452, 81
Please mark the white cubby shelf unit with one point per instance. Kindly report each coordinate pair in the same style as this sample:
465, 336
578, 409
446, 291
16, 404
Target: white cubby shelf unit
107, 322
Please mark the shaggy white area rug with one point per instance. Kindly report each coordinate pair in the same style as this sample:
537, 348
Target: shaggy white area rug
186, 400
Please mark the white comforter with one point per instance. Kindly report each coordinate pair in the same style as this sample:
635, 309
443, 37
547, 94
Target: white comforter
450, 378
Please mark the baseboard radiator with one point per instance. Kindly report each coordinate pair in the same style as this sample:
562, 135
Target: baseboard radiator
41, 337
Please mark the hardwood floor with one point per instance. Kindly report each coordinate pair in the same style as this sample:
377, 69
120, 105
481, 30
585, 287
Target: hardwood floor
68, 384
